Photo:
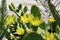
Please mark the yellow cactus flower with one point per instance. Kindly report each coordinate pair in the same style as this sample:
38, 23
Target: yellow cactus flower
36, 21
24, 19
51, 20
50, 36
20, 31
10, 20
30, 17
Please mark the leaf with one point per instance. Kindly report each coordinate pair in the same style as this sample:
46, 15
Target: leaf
12, 7
19, 7
54, 26
2, 35
35, 11
2, 15
32, 36
7, 35
42, 25
22, 13
34, 28
25, 9
28, 25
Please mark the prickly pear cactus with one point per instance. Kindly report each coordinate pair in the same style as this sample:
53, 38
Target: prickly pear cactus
32, 36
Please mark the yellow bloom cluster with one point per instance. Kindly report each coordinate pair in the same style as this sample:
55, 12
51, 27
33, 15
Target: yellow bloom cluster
36, 21
30, 18
50, 36
20, 31
24, 18
9, 20
51, 20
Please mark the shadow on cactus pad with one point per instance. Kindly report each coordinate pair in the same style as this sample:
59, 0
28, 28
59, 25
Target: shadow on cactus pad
32, 36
